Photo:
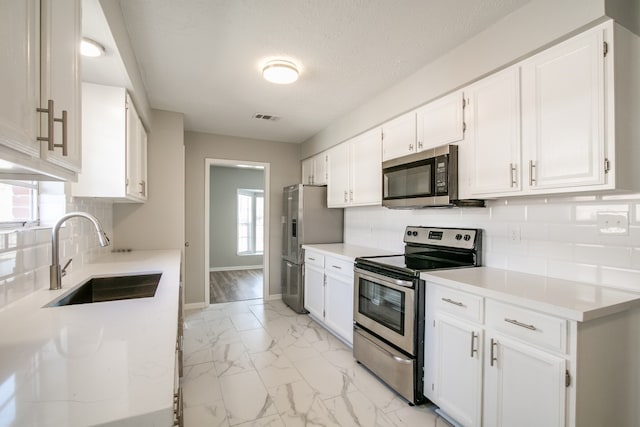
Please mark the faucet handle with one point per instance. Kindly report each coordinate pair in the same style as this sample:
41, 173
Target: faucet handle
64, 269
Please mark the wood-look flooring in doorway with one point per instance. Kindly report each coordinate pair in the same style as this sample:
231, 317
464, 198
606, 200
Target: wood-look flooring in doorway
235, 285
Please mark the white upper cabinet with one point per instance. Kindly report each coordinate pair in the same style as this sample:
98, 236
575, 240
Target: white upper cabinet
314, 169
114, 151
490, 160
61, 26
40, 57
399, 136
441, 122
563, 110
355, 171
19, 84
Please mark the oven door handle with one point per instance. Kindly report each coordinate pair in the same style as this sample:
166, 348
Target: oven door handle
384, 279
391, 355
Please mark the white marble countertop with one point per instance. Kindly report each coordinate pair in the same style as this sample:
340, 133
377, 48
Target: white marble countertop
101, 363
564, 298
346, 251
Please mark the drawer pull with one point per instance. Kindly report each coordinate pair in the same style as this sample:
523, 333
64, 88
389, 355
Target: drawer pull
522, 325
450, 301
312, 259
473, 342
494, 357
337, 267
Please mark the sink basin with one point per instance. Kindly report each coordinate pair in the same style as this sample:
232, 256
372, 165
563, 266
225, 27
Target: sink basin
100, 289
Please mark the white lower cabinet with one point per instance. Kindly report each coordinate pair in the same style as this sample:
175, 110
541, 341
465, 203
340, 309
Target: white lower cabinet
523, 386
314, 284
458, 369
488, 363
328, 293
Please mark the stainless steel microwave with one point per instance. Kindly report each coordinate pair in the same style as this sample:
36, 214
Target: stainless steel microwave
425, 179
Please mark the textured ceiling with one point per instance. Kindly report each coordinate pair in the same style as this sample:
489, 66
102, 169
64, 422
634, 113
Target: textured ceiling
203, 57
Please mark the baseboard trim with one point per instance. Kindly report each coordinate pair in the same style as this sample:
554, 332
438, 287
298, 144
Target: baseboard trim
195, 305
238, 267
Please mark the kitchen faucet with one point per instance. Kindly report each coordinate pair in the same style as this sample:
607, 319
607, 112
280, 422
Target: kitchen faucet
55, 273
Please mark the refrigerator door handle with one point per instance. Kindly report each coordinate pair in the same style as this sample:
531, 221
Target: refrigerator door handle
294, 228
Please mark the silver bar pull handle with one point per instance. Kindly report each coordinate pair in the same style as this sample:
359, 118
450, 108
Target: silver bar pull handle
493, 356
450, 301
513, 171
474, 350
143, 188
419, 144
336, 267
532, 178
410, 147
64, 122
522, 325
345, 196
50, 118
351, 195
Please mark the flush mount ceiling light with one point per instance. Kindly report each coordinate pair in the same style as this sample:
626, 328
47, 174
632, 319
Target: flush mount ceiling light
280, 72
91, 48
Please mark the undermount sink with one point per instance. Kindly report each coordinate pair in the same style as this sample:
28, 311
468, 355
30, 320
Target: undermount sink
100, 289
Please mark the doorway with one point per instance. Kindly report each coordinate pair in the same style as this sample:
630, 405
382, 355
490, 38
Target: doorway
236, 231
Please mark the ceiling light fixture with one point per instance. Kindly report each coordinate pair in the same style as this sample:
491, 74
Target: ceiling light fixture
280, 72
91, 48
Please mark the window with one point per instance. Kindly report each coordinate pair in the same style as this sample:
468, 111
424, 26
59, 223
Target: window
250, 222
18, 203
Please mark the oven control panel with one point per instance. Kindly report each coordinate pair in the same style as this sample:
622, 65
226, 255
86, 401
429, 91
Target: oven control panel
464, 238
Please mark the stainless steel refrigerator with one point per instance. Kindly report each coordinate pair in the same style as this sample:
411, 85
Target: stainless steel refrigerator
305, 220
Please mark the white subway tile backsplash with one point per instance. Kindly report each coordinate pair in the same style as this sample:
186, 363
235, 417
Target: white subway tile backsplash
559, 236
546, 213
621, 278
25, 255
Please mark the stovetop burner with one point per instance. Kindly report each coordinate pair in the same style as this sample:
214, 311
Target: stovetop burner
429, 248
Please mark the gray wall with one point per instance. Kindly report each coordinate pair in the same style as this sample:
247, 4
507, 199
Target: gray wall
284, 160
158, 223
223, 213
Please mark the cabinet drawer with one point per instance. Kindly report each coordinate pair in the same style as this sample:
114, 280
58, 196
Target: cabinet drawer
529, 326
462, 304
314, 258
338, 266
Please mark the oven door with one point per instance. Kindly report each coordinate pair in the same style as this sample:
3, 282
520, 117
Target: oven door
386, 307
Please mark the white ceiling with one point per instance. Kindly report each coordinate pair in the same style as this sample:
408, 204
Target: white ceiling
203, 57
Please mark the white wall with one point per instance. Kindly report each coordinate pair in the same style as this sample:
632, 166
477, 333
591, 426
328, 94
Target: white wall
159, 222
527, 29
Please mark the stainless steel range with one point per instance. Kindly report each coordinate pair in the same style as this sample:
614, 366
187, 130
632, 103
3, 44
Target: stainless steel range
389, 303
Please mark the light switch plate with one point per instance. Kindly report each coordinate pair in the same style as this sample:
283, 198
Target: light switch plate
613, 223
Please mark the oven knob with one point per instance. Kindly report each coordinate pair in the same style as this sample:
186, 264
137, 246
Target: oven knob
415, 233
458, 236
409, 233
467, 237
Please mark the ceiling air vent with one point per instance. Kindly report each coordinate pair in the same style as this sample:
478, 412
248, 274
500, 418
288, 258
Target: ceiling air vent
267, 117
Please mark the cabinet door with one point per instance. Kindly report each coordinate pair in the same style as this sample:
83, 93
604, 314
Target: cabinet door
61, 24
563, 113
399, 136
339, 305
366, 169
134, 154
490, 156
18, 85
441, 122
314, 290
457, 385
523, 386
338, 170
320, 169
307, 171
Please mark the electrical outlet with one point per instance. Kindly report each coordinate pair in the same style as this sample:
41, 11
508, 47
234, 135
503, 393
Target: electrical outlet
613, 223
515, 234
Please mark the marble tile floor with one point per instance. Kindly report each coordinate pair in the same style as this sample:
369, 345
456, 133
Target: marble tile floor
255, 363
